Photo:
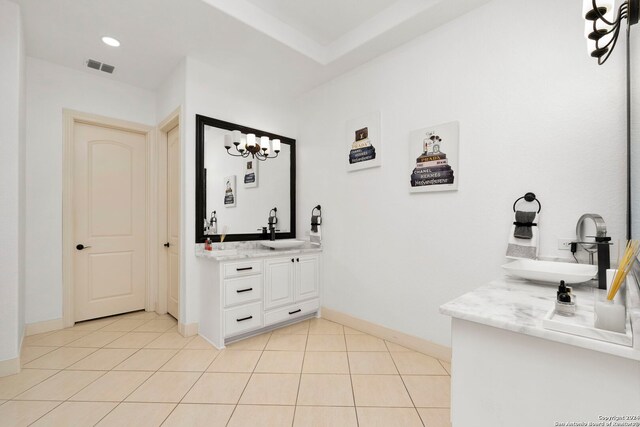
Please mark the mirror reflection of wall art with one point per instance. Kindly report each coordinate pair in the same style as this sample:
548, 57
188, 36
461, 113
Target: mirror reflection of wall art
364, 143
433, 158
250, 173
230, 191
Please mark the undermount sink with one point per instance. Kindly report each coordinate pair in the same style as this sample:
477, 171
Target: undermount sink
549, 271
282, 244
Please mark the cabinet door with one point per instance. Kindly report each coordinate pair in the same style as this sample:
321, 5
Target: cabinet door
307, 277
278, 283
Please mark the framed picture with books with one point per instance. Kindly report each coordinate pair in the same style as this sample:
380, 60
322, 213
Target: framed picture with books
433, 158
250, 173
363, 142
230, 191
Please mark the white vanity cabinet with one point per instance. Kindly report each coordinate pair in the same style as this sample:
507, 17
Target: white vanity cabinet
243, 297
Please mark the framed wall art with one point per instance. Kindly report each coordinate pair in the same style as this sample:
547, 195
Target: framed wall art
433, 158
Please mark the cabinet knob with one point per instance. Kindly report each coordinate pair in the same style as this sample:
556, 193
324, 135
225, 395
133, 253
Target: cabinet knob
292, 260
298, 259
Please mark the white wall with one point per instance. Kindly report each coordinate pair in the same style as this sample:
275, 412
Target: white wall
11, 180
208, 93
536, 114
50, 89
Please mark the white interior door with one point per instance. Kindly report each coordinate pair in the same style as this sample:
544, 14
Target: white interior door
109, 221
173, 221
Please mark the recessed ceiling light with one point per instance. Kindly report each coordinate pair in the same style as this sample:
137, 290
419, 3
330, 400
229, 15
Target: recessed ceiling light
110, 41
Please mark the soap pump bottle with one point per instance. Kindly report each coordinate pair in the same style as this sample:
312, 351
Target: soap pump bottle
564, 303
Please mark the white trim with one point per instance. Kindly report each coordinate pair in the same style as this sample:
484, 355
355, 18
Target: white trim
44, 326
171, 121
9, 367
438, 351
70, 118
188, 329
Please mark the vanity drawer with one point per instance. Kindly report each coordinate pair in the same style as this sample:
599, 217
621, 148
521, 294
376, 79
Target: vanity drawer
291, 312
242, 319
245, 268
241, 290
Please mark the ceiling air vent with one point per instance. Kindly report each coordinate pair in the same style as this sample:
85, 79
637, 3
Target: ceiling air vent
97, 65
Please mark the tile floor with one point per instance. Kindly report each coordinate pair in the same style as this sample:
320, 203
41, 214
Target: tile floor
137, 370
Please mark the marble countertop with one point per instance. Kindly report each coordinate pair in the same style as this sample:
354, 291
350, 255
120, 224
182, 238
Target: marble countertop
520, 306
242, 250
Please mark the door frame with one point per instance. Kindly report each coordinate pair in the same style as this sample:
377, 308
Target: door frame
70, 119
163, 128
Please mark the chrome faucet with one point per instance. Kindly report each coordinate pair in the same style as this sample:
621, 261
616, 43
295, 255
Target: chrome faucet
602, 242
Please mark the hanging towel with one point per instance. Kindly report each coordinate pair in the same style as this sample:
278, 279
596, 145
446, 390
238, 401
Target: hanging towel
523, 238
316, 236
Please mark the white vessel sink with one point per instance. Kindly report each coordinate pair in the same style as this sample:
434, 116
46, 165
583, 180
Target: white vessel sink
282, 244
548, 271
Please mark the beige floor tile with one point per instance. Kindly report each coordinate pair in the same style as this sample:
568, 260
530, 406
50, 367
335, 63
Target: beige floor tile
60, 358
235, 361
371, 362
326, 343
349, 331
59, 338
94, 325
365, 343
380, 391
144, 315
76, 414
413, 363
435, 417
325, 390
157, 325
199, 343
280, 362
217, 388
29, 354
169, 340
446, 366
96, 339
384, 417
301, 328
287, 342
114, 386
325, 362
29, 340
188, 415
165, 387
23, 413
146, 360
124, 325
261, 416
254, 343
429, 391
395, 347
190, 360
325, 416
134, 340
13, 385
271, 389
137, 415
324, 327
61, 386
103, 359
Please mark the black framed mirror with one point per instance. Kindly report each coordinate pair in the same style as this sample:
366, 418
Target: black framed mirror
242, 191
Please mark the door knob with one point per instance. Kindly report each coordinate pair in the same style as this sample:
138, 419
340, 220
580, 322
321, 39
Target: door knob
81, 247
166, 245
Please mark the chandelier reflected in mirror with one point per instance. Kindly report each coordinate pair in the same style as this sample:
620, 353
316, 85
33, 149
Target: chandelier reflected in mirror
260, 148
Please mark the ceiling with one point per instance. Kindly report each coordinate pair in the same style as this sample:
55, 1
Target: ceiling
287, 46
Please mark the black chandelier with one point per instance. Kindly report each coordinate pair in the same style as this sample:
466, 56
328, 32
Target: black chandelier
259, 148
603, 26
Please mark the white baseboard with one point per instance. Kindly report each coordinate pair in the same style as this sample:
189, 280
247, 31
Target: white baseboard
9, 367
42, 327
188, 329
409, 341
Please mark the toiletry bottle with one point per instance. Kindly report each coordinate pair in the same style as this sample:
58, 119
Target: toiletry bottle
207, 245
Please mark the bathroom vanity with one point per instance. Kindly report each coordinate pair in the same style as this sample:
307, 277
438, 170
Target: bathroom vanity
508, 369
247, 289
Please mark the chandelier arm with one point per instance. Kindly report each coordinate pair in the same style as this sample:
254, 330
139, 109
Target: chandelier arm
614, 40
601, 16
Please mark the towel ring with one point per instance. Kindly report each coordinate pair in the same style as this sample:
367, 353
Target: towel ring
528, 197
318, 208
